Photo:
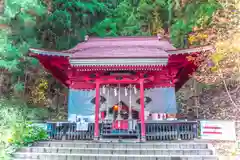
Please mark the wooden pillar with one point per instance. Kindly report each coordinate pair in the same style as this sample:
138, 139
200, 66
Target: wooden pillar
97, 106
143, 132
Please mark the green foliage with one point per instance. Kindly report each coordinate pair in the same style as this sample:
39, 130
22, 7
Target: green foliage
26, 133
20, 34
19, 86
132, 18
193, 14
15, 127
148, 17
69, 22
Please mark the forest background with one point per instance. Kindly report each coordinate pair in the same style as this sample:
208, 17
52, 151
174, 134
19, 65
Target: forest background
26, 88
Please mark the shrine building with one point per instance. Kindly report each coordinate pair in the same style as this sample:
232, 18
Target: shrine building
120, 82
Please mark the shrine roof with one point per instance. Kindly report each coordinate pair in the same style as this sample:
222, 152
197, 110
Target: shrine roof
124, 41
120, 47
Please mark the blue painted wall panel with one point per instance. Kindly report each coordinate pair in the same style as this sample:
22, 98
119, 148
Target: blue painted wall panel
163, 101
79, 103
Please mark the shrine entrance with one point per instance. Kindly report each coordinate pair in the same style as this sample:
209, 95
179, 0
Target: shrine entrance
116, 116
119, 115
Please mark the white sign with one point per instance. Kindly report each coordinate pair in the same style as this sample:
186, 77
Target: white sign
72, 118
218, 130
159, 116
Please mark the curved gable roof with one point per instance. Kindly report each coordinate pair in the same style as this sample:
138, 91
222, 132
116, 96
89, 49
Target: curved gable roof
117, 47
121, 47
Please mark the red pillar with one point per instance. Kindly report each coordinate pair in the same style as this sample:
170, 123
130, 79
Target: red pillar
143, 132
97, 106
102, 115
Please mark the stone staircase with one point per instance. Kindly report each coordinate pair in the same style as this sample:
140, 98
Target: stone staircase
78, 150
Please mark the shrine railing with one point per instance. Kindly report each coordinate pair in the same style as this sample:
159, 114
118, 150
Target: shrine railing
171, 130
155, 130
69, 131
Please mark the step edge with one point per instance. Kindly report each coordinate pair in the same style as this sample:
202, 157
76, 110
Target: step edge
126, 143
133, 149
107, 155
99, 142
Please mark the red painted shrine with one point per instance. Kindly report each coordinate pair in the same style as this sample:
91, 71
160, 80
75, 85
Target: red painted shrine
124, 62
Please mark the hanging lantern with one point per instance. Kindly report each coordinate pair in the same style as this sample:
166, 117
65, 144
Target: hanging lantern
115, 92
126, 91
115, 107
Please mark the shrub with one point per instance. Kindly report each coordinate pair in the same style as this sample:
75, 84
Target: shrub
16, 129
26, 134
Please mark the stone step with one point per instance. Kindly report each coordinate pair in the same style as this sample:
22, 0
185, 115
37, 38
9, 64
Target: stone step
132, 151
77, 144
61, 156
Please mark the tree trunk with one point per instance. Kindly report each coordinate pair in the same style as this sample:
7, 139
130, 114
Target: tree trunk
1, 6
196, 96
1, 84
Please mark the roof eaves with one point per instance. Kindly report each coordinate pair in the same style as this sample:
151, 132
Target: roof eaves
49, 53
191, 50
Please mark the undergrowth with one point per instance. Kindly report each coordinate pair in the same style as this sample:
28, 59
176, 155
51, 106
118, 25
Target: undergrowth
16, 127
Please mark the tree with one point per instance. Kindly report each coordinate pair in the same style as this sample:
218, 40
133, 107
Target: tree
224, 34
221, 67
41, 24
